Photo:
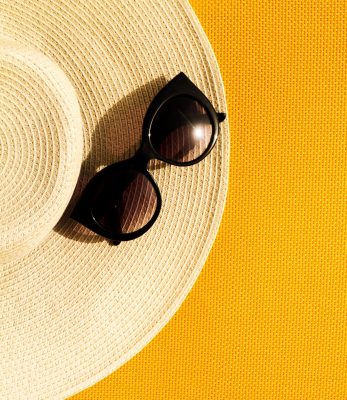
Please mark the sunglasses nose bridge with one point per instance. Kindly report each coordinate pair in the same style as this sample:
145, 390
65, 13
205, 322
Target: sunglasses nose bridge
143, 155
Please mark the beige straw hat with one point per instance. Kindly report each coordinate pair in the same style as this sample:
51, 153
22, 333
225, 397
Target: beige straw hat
76, 78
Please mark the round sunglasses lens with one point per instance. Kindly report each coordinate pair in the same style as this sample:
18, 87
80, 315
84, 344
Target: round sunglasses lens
124, 203
181, 130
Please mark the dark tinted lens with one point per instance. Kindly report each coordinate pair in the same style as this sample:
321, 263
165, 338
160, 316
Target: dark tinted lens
181, 130
125, 202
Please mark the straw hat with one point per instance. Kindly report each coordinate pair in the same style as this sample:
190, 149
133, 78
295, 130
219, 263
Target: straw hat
76, 78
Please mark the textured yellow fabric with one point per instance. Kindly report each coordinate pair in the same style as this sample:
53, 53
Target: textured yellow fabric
267, 317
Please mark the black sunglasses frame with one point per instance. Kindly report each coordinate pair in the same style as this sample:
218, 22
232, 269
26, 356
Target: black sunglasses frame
178, 86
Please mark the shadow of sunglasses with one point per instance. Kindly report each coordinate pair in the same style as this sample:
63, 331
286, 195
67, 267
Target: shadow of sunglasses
180, 127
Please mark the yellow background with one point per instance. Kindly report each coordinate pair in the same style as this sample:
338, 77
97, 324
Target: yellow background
267, 316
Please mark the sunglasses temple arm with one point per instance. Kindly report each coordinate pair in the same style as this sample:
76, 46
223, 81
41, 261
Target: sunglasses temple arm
221, 117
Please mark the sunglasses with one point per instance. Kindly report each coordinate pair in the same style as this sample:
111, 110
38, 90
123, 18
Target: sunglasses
122, 201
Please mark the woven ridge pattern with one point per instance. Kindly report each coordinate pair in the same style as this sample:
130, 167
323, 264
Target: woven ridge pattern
40, 147
75, 308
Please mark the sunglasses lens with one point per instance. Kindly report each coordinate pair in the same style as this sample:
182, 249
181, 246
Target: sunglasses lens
124, 203
181, 130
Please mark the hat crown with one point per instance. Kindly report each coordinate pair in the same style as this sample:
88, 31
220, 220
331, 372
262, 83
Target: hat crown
40, 147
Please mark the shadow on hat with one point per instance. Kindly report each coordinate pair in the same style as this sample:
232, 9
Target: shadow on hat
116, 137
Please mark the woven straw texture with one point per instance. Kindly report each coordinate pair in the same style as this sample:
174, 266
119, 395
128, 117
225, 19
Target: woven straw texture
39, 172
72, 307
266, 320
